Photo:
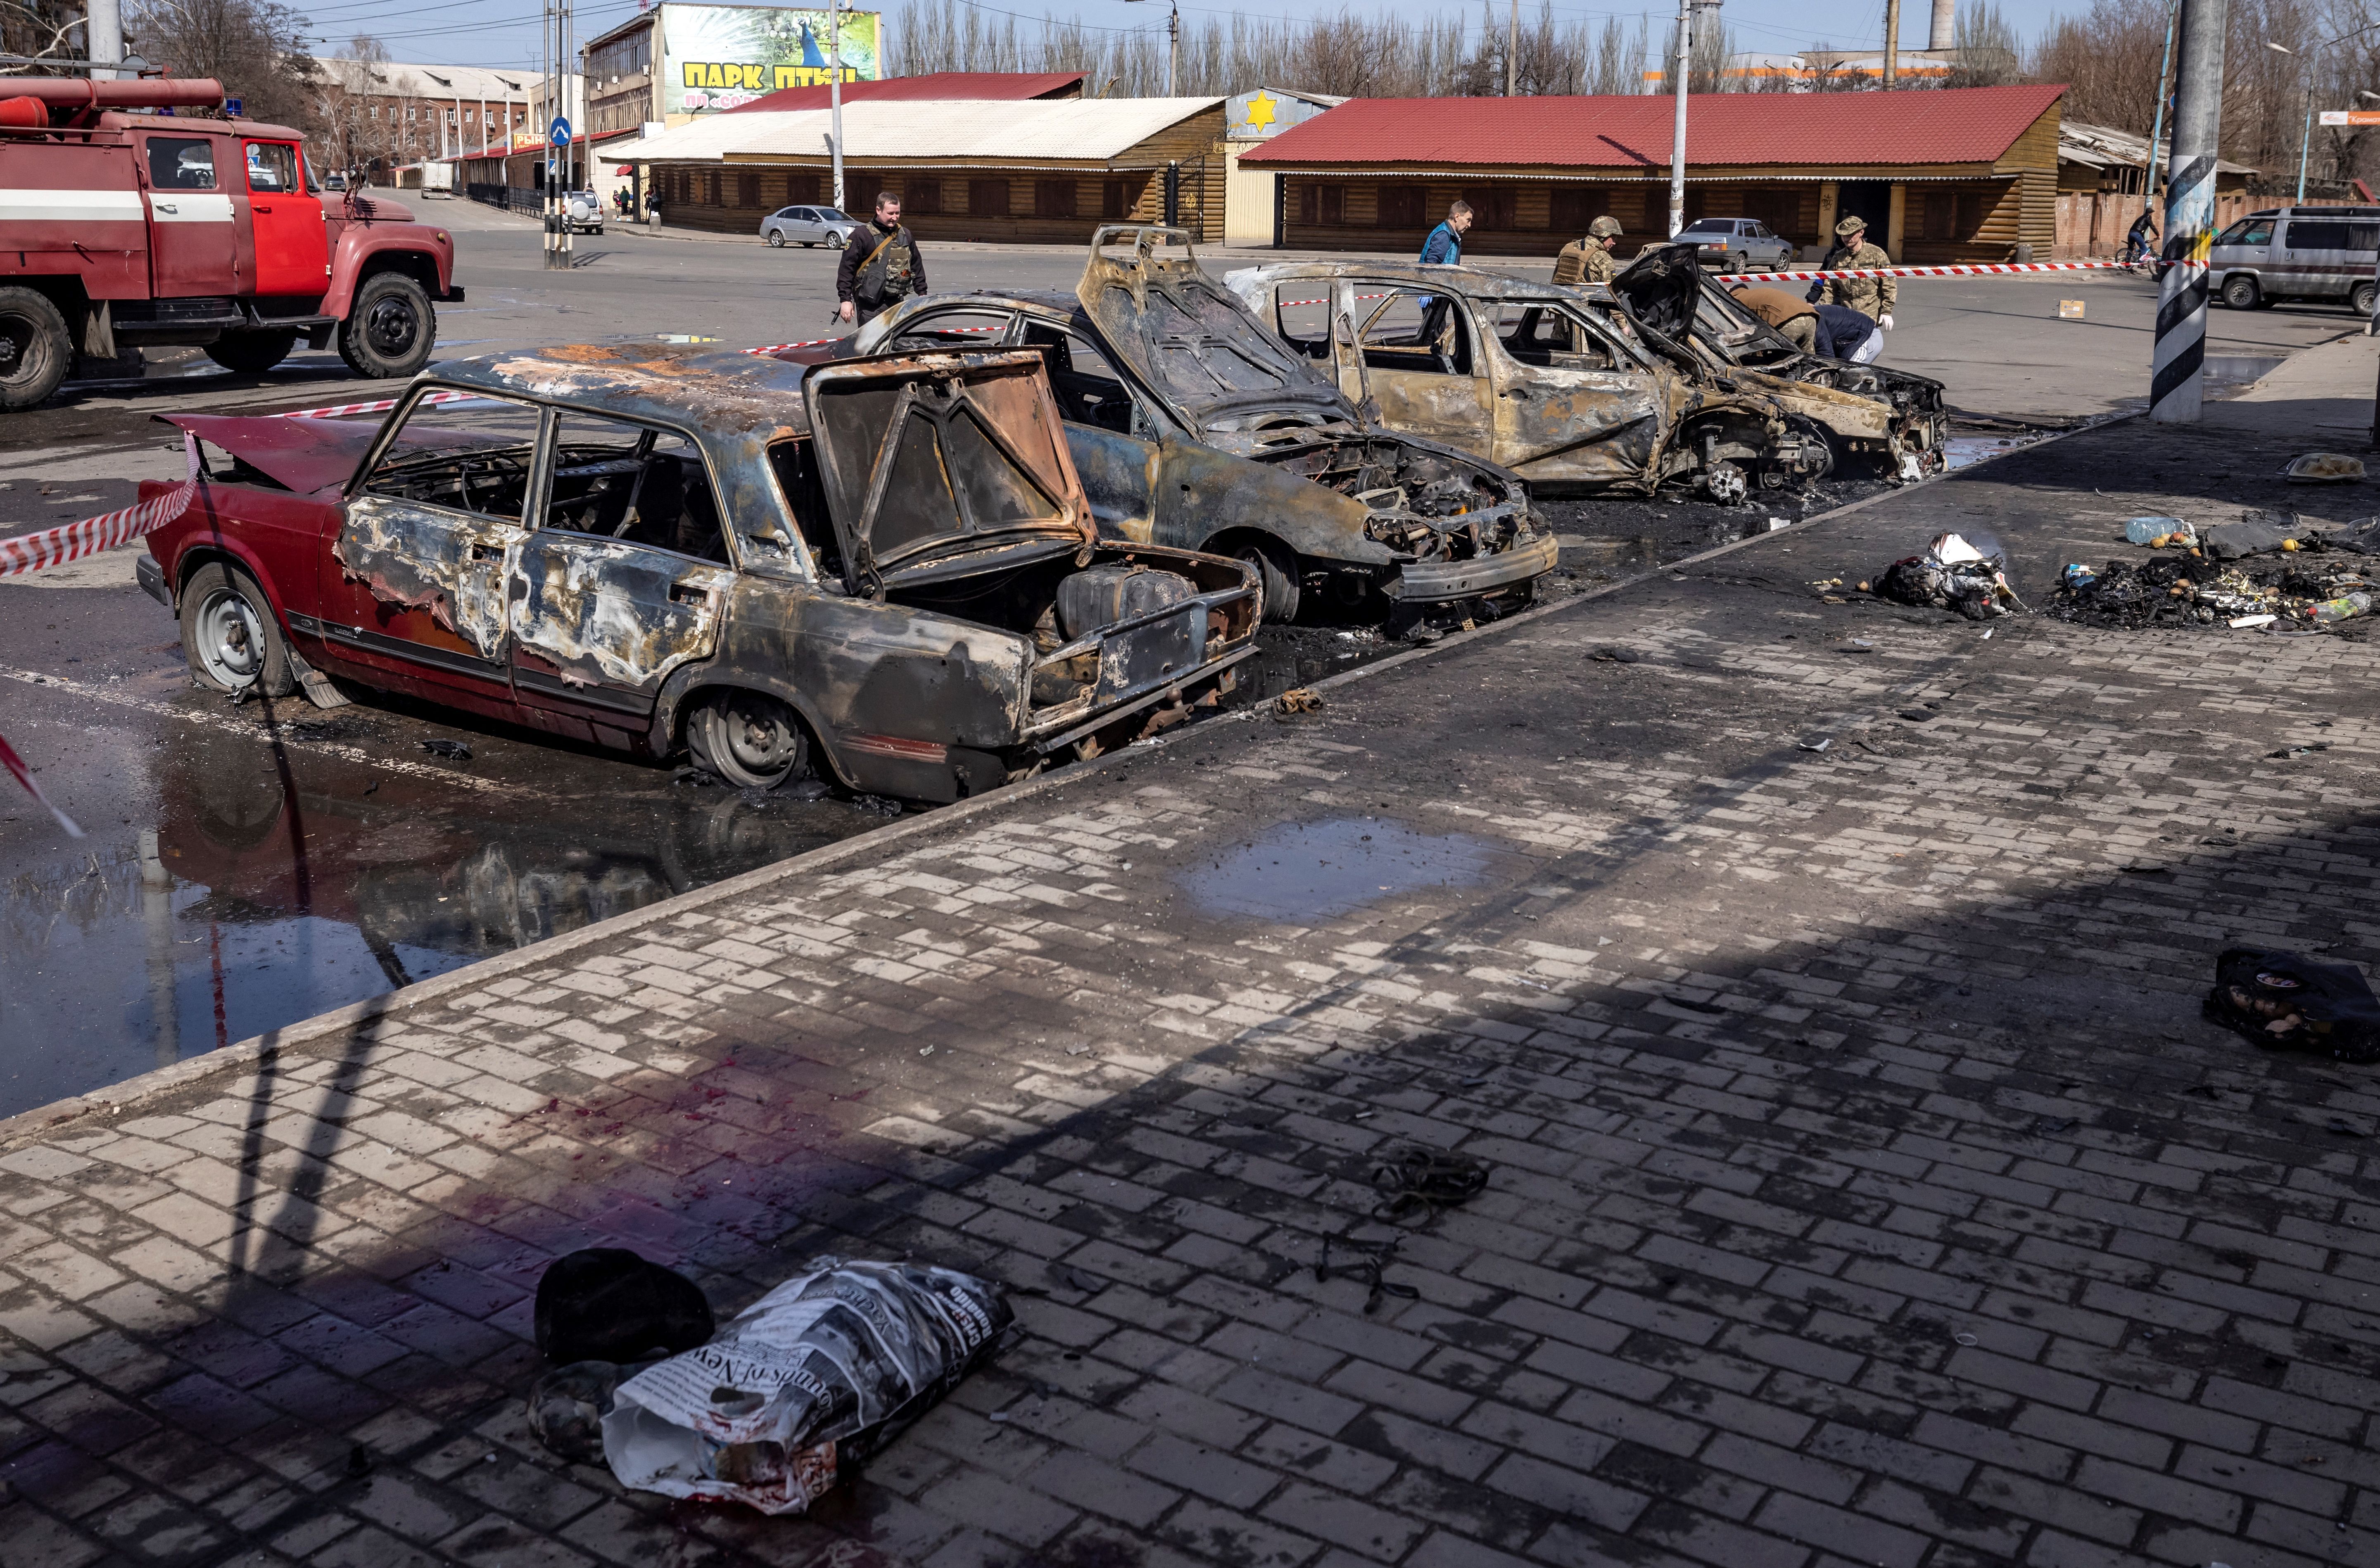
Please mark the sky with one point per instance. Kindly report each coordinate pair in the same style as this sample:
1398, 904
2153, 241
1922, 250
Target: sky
504, 32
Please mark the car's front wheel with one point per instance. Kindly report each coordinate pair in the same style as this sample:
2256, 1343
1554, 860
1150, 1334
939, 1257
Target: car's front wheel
747, 739
776, 240
229, 634
2240, 293
834, 240
2361, 300
1277, 572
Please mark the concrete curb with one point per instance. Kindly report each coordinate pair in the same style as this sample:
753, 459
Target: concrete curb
356, 1015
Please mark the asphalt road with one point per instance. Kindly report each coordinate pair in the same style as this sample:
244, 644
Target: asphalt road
246, 868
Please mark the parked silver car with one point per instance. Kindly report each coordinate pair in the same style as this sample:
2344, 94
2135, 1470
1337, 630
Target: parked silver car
2326, 253
1736, 245
807, 225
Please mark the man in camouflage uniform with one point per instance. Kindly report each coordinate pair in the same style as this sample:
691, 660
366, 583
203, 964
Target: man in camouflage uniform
1872, 297
1589, 259
881, 266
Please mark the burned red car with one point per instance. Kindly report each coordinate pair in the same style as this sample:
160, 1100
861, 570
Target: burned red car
881, 573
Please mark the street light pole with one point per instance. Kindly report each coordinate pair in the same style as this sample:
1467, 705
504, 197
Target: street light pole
834, 91
1681, 75
2156, 130
2178, 362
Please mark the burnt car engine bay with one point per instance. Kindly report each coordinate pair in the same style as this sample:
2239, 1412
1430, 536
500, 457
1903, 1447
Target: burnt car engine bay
1423, 504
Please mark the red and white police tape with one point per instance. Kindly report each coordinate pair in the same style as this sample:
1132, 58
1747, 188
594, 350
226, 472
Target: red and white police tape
72, 541
24, 776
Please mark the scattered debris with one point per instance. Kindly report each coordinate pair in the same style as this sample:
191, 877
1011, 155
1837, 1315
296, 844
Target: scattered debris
608, 1304
566, 1408
1818, 745
1612, 653
2159, 532
2307, 586
2324, 468
876, 805
1426, 1180
2300, 751
453, 750
1951, 575
2286, 1000
1371, 1258
700, 778
1298, 699
810, 1379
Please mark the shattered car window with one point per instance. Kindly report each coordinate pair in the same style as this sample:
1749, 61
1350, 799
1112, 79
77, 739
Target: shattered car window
488, 477
1199, 345
1302, 315
795, 465
1535, 333
951, 329
635, 483
1089, 390
1412, 330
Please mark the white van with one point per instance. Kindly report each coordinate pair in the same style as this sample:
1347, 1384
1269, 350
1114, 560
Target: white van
2324, 253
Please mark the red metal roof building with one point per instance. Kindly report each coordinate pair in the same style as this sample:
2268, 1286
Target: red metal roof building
1009, 86
1941, 175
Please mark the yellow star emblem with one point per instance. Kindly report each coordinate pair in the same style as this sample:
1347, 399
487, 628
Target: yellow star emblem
1260, 110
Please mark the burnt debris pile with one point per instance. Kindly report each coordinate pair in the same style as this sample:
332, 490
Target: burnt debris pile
2277, 572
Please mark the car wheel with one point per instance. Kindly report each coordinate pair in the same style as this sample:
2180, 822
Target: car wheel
834, 241
2240, 293
2363, 299
1277, 571
776, 240
34, 348
229, 634
251, 353
747, 739
389, 329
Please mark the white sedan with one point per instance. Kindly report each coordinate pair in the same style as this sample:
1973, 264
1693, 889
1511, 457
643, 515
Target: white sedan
807, 225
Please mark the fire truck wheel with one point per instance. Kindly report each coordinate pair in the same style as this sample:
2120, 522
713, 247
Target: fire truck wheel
390, 328
34, 347
251, 353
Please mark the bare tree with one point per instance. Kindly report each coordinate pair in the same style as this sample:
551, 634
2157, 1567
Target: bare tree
1987, 48
47, 30
256, 48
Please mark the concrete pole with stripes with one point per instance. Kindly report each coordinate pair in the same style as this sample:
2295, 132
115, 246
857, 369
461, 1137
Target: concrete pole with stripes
2178, 361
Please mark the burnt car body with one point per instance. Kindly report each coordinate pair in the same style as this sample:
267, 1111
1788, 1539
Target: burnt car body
1667, 287
1192, 428
882, 572
1566, 387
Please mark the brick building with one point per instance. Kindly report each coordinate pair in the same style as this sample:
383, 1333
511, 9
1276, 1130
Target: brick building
1941, 175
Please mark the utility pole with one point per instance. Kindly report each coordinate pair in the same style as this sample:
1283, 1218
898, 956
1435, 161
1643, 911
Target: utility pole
1172, 50
1513, 50
2177, 363
103, 27
2156, 130
834, 91
1891, 41
560, 132
1681, 75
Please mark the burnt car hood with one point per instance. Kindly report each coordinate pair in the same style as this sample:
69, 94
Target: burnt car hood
305, 456
1662, 288
942, 465
1190, 340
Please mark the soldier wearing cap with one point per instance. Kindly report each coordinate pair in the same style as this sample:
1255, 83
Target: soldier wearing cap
1589, 260
1873, 297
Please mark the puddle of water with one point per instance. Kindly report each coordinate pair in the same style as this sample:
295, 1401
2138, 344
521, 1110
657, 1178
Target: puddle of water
1961, 450
1300, 873
258, 899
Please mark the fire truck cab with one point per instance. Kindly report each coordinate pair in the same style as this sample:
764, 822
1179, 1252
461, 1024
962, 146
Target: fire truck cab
125, 224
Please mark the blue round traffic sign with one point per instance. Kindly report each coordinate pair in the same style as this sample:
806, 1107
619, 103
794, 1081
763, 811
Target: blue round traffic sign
558, 132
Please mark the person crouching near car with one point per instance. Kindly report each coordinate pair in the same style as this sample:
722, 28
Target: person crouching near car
1846, 334
881, 265
1795, 320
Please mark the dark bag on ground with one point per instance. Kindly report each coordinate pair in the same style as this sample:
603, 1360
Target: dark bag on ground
2287, 1002
607, 1303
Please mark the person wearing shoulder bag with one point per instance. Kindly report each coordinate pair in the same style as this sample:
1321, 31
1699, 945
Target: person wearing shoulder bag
881, 265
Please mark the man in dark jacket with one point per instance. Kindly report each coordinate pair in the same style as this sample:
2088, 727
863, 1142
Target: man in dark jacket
1846, 334
881, 265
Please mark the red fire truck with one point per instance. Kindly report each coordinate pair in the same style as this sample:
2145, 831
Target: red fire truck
129, 218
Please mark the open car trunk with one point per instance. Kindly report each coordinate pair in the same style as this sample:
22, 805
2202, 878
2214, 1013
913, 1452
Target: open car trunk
950, 488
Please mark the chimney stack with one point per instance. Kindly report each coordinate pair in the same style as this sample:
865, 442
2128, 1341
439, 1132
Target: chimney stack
1946, 24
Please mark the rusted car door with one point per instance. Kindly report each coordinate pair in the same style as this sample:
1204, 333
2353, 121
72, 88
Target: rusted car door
425, 541
1418, 353
625, 576
1574, 405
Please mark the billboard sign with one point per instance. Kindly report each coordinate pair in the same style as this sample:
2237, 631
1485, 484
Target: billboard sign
2351, 117
717, 57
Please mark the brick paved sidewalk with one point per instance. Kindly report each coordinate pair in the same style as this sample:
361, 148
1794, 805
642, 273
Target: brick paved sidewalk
1866, 1188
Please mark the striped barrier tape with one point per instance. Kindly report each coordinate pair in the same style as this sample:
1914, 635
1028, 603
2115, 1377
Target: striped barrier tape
1978, 269
377, 406
24, 776
72, 541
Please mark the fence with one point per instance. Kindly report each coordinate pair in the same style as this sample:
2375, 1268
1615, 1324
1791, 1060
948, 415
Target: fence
511, 198
2094, 224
